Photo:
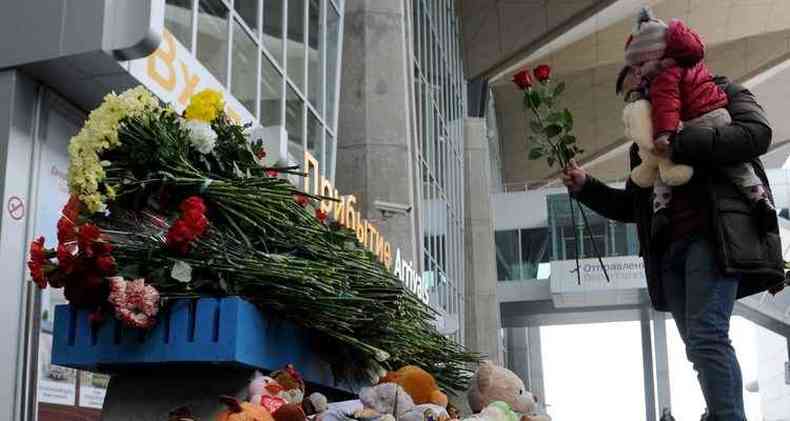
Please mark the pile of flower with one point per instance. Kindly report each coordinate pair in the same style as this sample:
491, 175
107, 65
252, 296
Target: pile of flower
167, 206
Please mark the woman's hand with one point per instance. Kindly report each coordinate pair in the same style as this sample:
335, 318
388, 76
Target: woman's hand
574, 177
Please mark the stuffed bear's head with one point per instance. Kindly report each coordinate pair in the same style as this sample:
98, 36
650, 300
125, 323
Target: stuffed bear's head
492, 383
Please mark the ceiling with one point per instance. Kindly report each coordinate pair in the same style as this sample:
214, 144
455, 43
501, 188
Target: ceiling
744, 39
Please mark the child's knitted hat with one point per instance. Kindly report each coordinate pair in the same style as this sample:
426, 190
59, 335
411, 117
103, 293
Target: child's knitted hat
648, 39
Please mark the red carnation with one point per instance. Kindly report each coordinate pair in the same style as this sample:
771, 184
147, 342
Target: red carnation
66, 258
88, 233
36, 263
193, 203
523, 79
260, 154
543, 72
105, 265
272, 173
320, 215
302, 200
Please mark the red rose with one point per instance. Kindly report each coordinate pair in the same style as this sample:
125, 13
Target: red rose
320, 215
105, 265
543, 72
523, 79
193, 203
302, 200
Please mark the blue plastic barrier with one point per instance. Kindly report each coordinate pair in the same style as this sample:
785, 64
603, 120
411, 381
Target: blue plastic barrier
214, 331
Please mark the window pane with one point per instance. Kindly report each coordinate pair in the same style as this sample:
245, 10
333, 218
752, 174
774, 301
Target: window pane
212, 43
294, 109
273, 28
329, 153
535, 249
332, 56
245, 67
248, 10
178, 20
314, 138
271, 94
507, 259
315, 43
296, 50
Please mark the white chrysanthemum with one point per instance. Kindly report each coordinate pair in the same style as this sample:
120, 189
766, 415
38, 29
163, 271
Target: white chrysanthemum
201, 136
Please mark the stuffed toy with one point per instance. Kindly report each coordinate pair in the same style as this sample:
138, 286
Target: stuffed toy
638, 122
426, 412
292, 383
266, 392
493, 383
385, 398
315, 404
242, 411
419, 384
496, 411
290, 412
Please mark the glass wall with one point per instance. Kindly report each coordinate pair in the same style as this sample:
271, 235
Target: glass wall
279, 58
439, 110
526, 253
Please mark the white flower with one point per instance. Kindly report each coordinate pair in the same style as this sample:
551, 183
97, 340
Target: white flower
202, 136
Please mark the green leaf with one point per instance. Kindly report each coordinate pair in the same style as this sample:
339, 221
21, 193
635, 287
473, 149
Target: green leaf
555, 117
536, 153
552, 130
536, 126
568, 119
559, 89
535, 100
568, 139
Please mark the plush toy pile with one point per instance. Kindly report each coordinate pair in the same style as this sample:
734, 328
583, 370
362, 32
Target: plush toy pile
408, 394
166, 205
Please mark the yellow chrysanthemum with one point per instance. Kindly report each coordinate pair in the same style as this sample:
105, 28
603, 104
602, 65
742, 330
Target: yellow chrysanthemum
205, 106
100, 133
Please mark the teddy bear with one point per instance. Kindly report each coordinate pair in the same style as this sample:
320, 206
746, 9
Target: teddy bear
494, 383
385, 398
242, 411
266, 392
419, 384
315, 404
637, 118
495, 411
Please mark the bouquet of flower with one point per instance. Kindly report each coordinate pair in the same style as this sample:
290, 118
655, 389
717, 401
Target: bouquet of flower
552, 136
170, 206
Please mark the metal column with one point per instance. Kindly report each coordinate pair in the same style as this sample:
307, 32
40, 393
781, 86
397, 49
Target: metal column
660, 351
535, 364
647, 363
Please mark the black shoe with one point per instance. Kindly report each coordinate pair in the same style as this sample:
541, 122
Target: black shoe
765, 213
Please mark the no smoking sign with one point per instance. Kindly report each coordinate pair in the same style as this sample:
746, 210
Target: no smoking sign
15, 208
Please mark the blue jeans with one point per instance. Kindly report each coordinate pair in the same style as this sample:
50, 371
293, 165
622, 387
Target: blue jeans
701, 300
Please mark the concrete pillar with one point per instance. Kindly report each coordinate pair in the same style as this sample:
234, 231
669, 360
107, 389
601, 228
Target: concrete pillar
518, 353
482, 321
374, 134
647, 365
660, 352
535, 364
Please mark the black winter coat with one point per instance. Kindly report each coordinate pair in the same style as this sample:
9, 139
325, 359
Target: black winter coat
742, 249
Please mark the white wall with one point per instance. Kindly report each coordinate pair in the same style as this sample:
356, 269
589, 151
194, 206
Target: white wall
775, 394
